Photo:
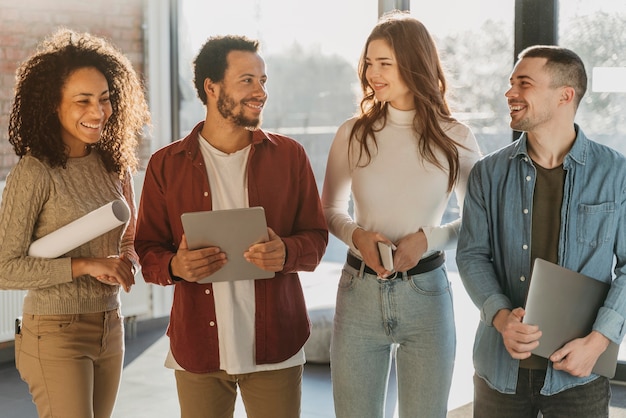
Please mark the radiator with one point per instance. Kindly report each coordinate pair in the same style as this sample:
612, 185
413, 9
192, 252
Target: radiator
10, 307
137, 303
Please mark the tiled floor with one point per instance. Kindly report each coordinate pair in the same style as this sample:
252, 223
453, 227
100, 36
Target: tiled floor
148, 389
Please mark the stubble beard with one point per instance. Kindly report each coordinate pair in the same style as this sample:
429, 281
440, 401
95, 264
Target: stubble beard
226, 106
531, 122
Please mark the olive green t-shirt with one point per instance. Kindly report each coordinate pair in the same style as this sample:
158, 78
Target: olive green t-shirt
546, 227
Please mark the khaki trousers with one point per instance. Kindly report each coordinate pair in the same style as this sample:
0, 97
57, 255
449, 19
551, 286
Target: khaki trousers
268, 394
72, 363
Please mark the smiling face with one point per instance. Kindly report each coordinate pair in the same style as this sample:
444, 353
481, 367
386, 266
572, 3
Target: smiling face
84, 109
242, 92
383, 76
532, 99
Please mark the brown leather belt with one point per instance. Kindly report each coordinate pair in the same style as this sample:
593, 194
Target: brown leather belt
425, 265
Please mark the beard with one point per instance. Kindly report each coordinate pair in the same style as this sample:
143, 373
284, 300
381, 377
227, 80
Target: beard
521, 125
530, 122
226, 105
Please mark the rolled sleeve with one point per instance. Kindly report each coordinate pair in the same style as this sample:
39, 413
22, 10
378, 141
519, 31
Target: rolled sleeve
492, 305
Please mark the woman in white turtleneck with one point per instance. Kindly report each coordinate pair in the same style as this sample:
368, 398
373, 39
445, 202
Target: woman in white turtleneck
399, 160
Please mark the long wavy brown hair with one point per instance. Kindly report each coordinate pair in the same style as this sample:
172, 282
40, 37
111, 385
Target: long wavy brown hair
34, 126
421, 70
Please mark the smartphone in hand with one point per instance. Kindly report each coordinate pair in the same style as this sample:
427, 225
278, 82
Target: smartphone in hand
386, 255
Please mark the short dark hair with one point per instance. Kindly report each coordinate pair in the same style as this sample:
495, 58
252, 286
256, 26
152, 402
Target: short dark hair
565, 66
211, 61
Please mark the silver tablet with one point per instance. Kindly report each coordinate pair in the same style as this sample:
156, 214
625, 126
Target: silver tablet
233, 231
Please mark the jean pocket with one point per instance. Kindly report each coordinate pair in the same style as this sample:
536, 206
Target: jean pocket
433, 283
346, 281
595, 224
48, 325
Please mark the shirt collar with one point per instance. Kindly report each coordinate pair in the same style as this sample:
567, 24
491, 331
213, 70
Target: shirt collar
577, 154
190, 146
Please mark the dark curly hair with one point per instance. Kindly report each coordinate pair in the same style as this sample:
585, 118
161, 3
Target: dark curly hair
211, 61
34, 126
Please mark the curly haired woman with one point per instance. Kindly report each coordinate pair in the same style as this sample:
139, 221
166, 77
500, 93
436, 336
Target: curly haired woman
79, 109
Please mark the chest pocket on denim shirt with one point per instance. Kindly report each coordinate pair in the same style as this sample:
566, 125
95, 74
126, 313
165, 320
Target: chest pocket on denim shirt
595, 223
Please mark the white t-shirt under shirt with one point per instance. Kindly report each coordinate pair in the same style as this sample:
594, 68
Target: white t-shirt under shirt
234, 301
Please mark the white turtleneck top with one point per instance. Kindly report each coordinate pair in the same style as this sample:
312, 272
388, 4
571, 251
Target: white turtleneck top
398, 192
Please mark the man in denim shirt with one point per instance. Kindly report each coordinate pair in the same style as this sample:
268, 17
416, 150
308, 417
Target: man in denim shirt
556, 195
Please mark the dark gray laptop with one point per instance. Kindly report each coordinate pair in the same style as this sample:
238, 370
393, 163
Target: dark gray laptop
234, 231
564, 304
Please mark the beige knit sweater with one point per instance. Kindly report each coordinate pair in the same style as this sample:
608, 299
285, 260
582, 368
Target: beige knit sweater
38, 200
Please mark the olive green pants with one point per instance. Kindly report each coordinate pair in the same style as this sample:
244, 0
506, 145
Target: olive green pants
267, 394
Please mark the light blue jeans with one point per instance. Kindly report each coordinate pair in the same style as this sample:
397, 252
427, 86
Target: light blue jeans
372, 317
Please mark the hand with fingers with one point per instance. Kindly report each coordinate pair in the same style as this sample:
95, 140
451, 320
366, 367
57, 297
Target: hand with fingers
111, 270
519, 338
367, 244
270, 255
195, 265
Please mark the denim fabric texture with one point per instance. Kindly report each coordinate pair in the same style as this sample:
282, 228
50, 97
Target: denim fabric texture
411, 316
493, 253
587, 401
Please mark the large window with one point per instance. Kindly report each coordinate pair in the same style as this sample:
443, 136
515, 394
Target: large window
475, 43
594, 29
311, 51
310, 48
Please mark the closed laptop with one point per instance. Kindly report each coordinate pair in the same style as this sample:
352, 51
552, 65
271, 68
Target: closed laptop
564, 304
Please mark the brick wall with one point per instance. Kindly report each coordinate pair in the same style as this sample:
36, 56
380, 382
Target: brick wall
24, 23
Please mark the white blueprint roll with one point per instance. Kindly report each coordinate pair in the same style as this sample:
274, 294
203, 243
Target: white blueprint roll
80, 231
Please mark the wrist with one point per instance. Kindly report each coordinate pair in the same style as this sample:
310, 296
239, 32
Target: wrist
499, 319
597, 338
79, 267
172, 275
355, 234
421, 235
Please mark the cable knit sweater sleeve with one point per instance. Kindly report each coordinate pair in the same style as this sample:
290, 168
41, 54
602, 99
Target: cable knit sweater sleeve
26, 191
38, 200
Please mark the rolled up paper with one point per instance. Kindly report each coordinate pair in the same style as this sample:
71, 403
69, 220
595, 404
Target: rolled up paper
80, 231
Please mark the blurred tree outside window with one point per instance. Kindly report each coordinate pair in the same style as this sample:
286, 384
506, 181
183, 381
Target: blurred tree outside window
595, 31
312, 80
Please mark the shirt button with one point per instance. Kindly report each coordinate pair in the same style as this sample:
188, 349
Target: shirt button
525, 246
522, 279
525, 211
206, 194
527, 178
207, 292
212, 323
